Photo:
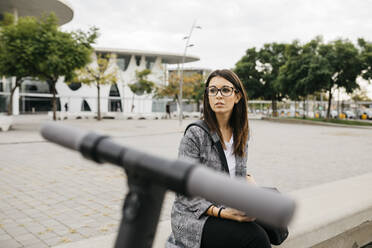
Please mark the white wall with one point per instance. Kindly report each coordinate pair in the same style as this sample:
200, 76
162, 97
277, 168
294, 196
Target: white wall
143, 104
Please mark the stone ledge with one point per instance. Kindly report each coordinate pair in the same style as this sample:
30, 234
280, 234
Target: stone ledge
119, 115
330, 210
332, 215
314, 123
5, 122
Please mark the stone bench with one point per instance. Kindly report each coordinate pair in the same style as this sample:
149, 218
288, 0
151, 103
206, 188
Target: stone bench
333, 215
107, 115
5, 122
336, 214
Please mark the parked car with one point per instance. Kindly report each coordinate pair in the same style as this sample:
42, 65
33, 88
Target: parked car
350, 114
366, 112
333, 114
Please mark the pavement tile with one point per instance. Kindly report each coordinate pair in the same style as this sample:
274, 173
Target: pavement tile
46, 235
16, 231
38, 245
28, 239
78, 191
10, 243
5, 236
53, 241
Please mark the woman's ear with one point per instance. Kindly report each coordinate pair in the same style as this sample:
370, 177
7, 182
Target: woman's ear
238, 96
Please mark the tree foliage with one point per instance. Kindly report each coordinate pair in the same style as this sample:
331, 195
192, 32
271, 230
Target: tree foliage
259, 71
296, 71
97, 73
37, 48
192, 88
142, 85
18, 51
366, 58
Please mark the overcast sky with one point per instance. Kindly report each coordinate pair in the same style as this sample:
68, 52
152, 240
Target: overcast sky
228, 27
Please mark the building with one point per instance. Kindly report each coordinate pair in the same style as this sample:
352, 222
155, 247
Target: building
35, 96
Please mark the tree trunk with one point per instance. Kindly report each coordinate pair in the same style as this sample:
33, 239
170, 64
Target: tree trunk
54, 100
10, 106
304, 108
274, 108
132, 107
198, 105
178, 105
98, 103
295, 109
329, 103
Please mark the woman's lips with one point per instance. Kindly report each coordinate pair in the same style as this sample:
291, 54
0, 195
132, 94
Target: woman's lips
219, 104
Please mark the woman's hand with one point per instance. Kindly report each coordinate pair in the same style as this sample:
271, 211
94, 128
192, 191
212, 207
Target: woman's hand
233, 214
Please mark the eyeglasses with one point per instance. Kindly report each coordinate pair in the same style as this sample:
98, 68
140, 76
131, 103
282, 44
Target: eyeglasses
225, 91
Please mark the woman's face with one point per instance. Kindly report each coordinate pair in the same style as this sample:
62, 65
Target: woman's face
219, 103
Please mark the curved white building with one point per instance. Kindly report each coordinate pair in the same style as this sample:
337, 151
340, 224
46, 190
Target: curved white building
37, 8
118, 97
35, 96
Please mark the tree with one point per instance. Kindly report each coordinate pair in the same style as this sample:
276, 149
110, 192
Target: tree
192, 88
259, 72
17, 51
61, 54
304, 72
246, 69
196, 88
366, 58
141, 85
343, 65
97, 73
360, 95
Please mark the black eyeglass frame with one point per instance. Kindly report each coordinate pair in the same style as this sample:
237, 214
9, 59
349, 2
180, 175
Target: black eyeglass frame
220, 90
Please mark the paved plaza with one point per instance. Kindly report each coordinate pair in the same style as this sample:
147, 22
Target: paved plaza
51, 196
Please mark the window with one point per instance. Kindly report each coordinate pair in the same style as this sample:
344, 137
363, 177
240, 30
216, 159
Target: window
114, 91
123, 61
150, 61
138, 60
74, 86
85, 106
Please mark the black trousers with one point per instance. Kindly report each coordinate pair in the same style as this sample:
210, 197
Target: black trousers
222, 233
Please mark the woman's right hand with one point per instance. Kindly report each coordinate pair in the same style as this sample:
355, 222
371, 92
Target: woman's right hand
233, 214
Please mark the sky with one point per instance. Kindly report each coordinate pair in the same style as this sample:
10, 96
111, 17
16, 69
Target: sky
229, 28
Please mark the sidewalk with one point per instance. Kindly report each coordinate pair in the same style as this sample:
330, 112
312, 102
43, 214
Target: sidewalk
51, 196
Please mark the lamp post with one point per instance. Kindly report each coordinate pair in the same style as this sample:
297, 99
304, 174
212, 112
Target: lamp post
187, 38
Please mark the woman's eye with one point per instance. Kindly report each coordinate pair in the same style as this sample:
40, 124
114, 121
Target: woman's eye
213, 90
226, 90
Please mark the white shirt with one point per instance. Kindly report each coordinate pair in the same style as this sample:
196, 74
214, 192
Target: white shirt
230, 157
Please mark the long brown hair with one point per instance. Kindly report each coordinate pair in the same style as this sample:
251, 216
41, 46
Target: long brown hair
239, 117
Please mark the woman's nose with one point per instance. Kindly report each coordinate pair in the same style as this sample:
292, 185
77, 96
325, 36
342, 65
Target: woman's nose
219, 94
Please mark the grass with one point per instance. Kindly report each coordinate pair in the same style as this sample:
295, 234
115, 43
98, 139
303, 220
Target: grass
336, 121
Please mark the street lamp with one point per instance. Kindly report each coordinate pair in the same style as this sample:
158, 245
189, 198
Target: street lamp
187, 38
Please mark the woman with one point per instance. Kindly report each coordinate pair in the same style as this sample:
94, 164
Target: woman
197, 222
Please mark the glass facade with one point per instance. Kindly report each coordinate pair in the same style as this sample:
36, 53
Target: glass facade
114, 104
85, 106
35, 86
138, 60
30, 104
4, 103
123, 61
150, 61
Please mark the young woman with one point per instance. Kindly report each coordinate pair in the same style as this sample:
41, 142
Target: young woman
197, 222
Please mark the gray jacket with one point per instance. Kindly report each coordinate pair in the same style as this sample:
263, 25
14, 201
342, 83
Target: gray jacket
188, 214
